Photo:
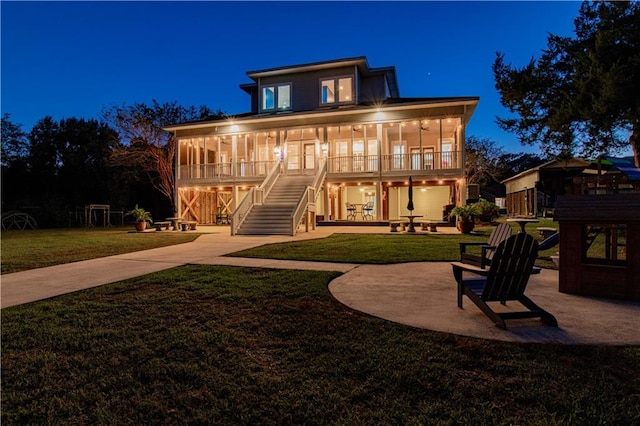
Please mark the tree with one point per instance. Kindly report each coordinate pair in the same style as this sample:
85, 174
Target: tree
44, 157
148, 151
15, 147
14, 166
482, 155
84, 151
513, 164
582, 95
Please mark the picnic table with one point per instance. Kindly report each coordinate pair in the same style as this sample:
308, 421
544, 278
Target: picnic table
411, 228
175, 220
522, 221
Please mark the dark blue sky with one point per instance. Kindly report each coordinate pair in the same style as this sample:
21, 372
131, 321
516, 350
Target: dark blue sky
72, 59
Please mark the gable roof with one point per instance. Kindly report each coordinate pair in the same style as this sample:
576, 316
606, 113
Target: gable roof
358, 61
573, 163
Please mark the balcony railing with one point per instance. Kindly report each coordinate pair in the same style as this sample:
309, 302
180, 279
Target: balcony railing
395, 162
343, 164
226, 170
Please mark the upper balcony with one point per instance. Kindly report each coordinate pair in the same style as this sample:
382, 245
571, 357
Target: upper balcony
427, 165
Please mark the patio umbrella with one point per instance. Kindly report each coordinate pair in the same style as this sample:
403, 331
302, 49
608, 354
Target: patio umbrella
410, 205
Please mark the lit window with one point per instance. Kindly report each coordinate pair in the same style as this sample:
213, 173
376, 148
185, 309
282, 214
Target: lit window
328, 91
345, 89
336, 90
284, 97
277, 95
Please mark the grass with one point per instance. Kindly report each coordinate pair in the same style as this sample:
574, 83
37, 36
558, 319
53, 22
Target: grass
384, 248
232, 346
22, 250
366, 248
224, 345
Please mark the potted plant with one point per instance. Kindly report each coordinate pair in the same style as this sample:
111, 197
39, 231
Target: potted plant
140, 217
466, 217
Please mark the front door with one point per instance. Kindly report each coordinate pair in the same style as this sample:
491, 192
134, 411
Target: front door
293, 157
309, 155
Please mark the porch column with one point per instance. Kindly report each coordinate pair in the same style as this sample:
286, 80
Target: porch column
234, 197
234, 156
327, 198
379, 195
176, 173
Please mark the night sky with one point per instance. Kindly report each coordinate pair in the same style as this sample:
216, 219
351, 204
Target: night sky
72, 59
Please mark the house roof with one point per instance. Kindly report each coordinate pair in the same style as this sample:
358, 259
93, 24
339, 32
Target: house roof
613, 165
359, 61
389, 104
574, 163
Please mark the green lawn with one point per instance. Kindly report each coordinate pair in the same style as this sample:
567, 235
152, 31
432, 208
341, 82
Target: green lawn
239, 346
232, 346
386, 248
31, 249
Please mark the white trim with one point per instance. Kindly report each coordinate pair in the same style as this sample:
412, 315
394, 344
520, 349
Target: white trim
289, 116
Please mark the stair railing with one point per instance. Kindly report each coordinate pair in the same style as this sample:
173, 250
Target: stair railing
255, 196
307, 201
268, 182
240, 213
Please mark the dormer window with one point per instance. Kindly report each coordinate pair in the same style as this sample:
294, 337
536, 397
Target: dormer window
337, 90
277, 96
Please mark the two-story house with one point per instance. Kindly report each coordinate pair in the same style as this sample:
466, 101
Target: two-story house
320, 140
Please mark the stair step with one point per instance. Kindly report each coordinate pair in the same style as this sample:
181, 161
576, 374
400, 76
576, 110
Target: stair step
273, 217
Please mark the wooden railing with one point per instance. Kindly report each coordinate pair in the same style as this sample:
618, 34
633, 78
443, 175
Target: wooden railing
264, 189
307, 201
343, 164
395, 162
240, 213
255, 196
225, 170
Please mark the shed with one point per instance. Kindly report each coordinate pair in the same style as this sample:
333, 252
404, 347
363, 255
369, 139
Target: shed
600, 245
534, 191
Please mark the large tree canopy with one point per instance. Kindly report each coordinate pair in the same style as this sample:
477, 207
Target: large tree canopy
148, 151
582, 95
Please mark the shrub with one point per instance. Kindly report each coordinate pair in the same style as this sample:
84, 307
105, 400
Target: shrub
488, 211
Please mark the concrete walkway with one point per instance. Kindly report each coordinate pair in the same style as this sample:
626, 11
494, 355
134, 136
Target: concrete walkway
417, 294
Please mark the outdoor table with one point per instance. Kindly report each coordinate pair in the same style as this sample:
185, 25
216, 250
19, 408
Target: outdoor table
359, 210
175, 222
410, 228
522, 222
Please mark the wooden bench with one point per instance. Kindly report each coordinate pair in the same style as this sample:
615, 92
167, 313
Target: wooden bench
160, 225
188, 224
431, 225
546, 232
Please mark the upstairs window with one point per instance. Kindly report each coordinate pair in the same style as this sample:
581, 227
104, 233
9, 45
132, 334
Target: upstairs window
276, 97
336, 90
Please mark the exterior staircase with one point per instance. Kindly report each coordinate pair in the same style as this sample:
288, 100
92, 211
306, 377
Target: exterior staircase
273, 217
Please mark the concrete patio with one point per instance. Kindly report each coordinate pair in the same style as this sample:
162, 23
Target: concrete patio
418, 294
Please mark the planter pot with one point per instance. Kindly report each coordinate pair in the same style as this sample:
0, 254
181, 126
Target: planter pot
465, 227
140, 226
